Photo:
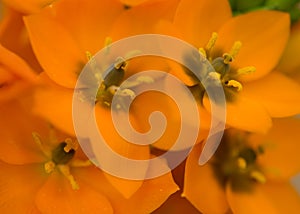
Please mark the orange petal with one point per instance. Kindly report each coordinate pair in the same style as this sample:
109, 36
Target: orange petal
280, 159
289, 62
15, 75
263, 35
54, 103
88, 21
114, 140
57, 196
176, 204
13, 36
126, 187
197, 19
142, 19
133, 2
178, 71
17, 125
10, 86
30, 6
15, 64
201, 187
277, 93
186, 122
149, 102
245, 114
121, 146
154, 193
17, 196
57, 51
268, 198
149, 197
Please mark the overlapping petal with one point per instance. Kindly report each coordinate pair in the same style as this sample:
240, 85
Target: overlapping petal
88, 22
280, 159
14, 37
130, 24
148, 197
17, 125
198, 21
271, 198
19, 185
62, 64
54, 104
28, 7
79, 26
121, 146
201, 188
15, 76
277, 93
51, 198
245, 114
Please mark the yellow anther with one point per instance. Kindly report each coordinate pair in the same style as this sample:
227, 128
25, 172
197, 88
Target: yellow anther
227, 58
118, 106
107, 43
93, 65
133, 53
242, 163
120, 63
113, 89
235, 84
211, 43
246, 70
235, 49
106, 103
137, 81
145, 79
258, 176
70, 145
202, 52
91, 60
88, 55
128, 92
49, 166
80, 163
65, 170
214, 75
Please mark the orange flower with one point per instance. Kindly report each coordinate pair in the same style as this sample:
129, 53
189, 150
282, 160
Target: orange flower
60, 36
248, 174
46, 175
63, 63
253, 42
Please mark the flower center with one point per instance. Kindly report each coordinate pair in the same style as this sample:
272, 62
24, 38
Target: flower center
236, 162
62, 155
222, 69
62, 158
110, 81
